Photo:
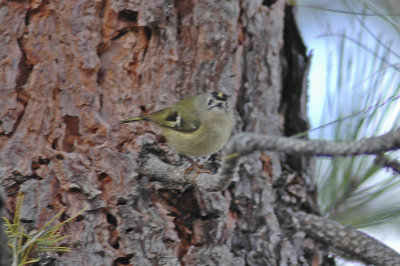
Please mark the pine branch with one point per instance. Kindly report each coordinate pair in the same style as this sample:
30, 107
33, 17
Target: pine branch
387, 162
172, 175
347, 242
247, 143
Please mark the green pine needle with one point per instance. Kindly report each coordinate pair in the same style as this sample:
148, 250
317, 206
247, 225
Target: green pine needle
25, 246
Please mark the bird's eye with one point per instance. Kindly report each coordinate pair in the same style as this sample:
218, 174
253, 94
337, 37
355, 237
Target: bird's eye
210, 102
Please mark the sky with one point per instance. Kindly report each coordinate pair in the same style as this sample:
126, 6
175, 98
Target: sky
322, 28
321, 31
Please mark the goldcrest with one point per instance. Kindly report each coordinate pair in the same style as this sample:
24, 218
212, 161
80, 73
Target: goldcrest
196, 126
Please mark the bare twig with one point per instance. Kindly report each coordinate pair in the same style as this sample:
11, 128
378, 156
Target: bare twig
364, 111
246, 143
388, 162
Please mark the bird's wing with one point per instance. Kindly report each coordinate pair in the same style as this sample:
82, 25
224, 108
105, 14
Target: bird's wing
173, 119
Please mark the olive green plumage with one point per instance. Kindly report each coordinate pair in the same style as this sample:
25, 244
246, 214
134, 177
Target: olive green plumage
196, 126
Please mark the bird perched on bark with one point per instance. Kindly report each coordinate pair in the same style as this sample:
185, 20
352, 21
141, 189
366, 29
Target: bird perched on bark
196, 126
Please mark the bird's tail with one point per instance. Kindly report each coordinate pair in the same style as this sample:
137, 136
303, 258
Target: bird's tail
132, 119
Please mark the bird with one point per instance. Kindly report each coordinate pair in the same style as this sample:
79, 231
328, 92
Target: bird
196, 126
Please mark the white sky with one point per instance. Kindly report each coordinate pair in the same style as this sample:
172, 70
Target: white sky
315, 24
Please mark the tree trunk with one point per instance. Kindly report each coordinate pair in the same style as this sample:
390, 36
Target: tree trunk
71, 69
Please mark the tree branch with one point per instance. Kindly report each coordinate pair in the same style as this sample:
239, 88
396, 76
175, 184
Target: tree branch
387, 162
178, 175
347, 242
247, 143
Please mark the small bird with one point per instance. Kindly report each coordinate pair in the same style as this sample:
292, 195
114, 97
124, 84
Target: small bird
196, 126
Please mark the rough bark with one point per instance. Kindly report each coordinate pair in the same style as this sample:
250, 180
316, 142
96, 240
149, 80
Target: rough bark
70, 69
